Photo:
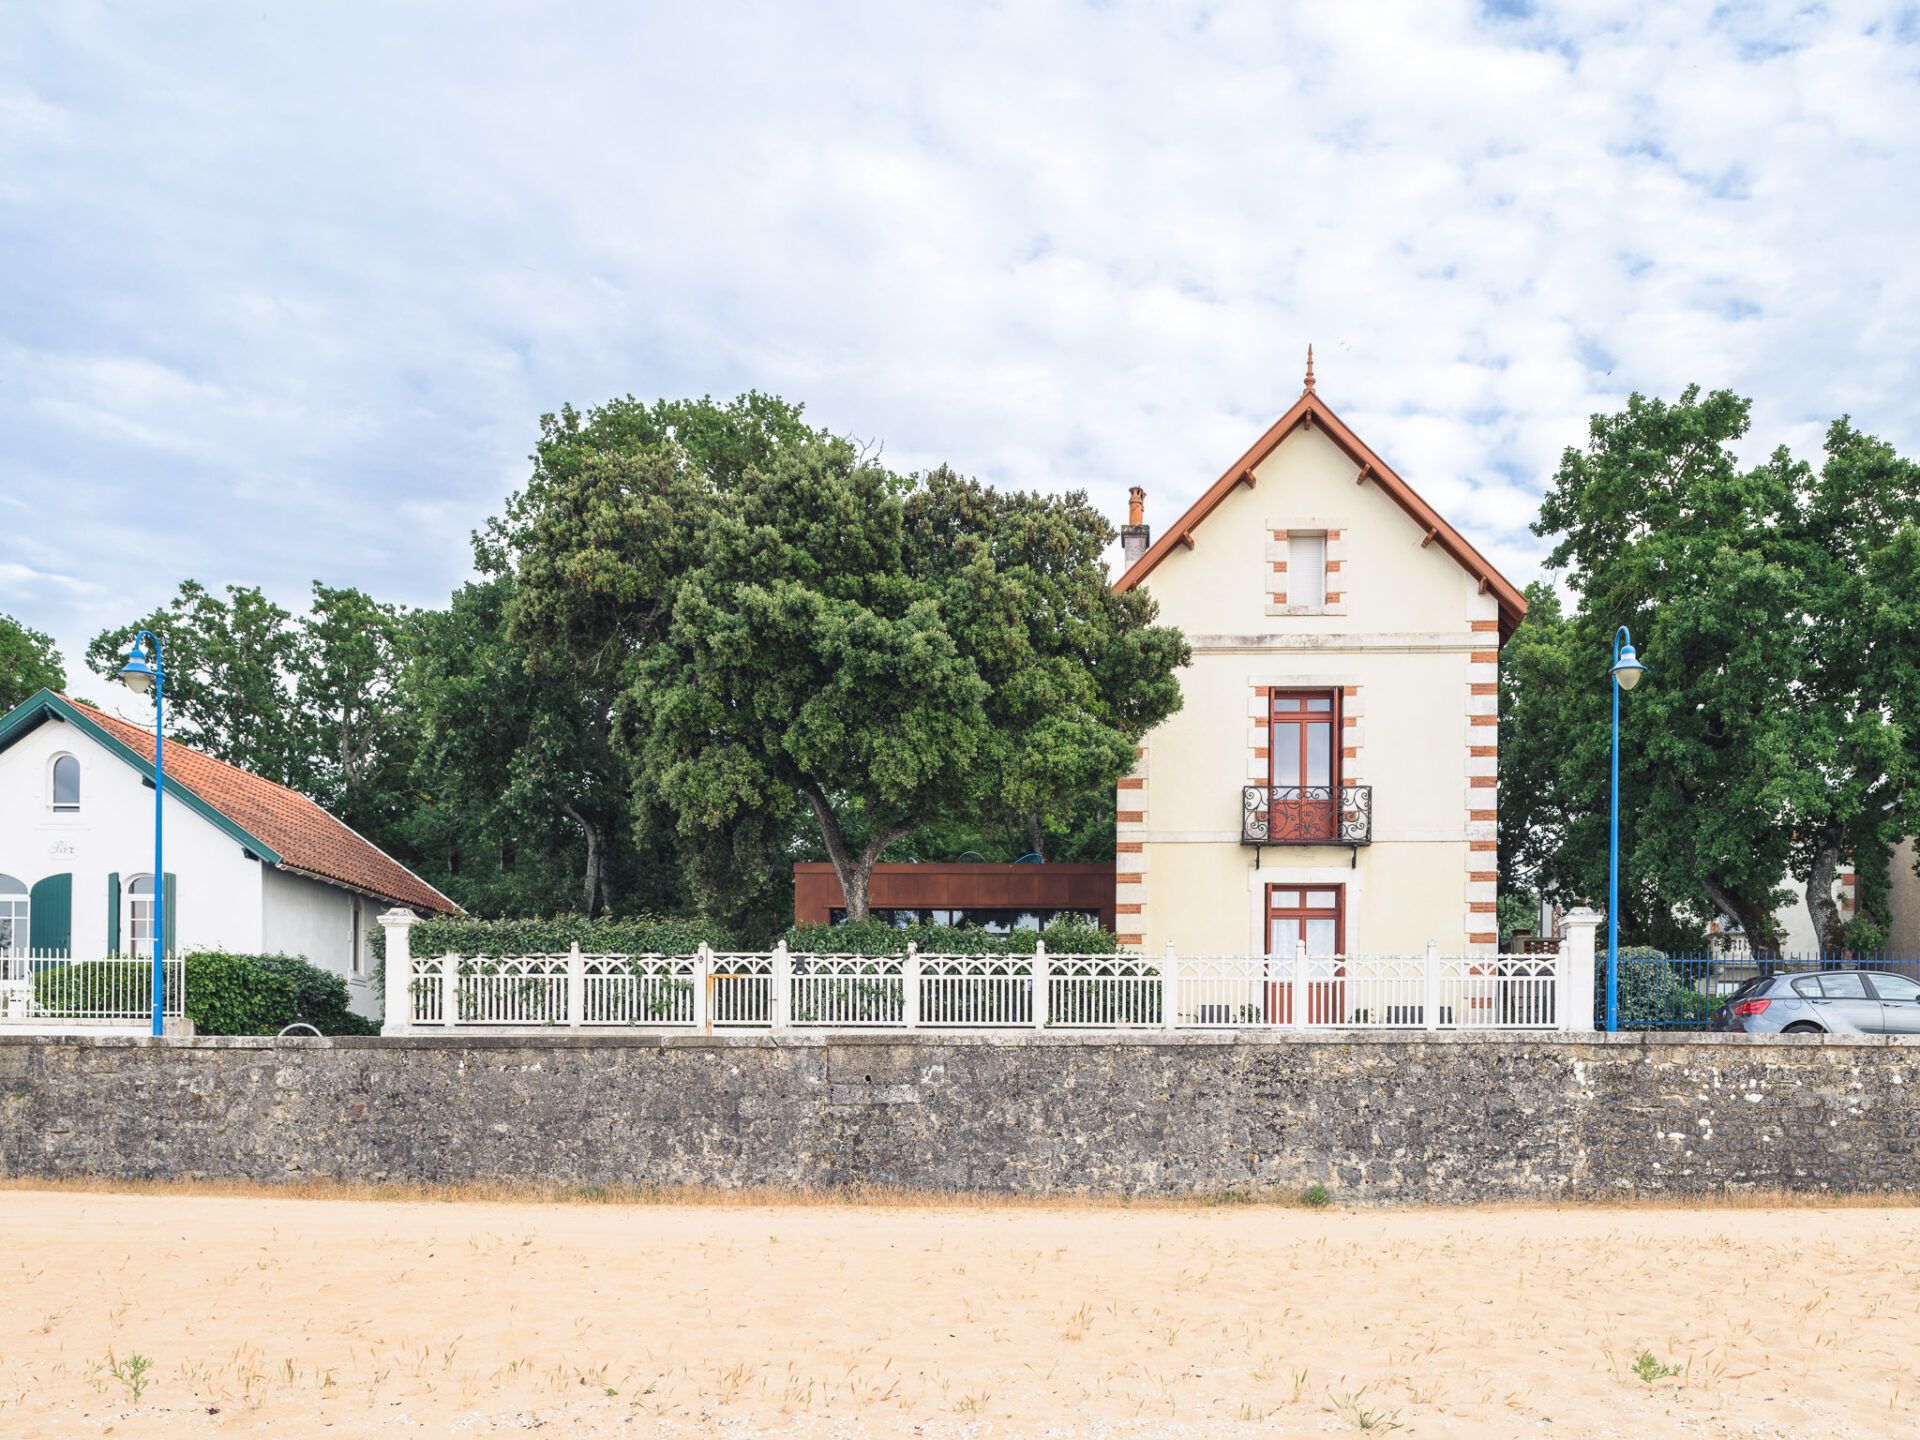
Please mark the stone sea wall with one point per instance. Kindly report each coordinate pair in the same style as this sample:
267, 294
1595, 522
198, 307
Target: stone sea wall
1377, 1119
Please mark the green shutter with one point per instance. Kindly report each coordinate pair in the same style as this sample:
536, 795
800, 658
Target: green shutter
113, 913
169, 895
50, 931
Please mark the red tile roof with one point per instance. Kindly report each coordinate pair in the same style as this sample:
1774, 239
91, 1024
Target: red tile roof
307, 837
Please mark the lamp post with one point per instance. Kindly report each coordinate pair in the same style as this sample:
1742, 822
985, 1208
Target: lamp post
1626, 672
141, 675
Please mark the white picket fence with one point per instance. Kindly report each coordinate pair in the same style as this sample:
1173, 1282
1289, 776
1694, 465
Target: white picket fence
783, 990
51, 993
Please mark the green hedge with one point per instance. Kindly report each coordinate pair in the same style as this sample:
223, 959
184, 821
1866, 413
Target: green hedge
263, 994
1066, 936
226, 994
636, 935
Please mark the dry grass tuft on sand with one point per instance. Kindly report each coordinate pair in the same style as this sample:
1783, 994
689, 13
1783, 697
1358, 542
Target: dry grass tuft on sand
181, 1310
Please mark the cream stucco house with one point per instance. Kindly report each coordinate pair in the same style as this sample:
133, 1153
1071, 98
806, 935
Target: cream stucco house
1330, 778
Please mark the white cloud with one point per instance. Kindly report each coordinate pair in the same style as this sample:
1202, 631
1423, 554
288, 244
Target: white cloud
288, 288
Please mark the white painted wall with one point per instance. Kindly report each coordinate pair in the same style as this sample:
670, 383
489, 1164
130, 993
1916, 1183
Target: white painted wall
219, 888
302, 916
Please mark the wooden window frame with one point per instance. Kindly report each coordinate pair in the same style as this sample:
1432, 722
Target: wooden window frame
1302, 912
1333, 692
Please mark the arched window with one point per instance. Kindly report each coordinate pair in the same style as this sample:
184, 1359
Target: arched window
139, 922
14, 930
66, 783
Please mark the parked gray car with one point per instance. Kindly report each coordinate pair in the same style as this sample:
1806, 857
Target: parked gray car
1834, 1002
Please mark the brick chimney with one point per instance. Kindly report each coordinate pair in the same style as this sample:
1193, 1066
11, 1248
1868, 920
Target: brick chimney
1134, 535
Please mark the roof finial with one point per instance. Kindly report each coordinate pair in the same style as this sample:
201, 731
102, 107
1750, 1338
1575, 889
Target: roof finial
1309, 369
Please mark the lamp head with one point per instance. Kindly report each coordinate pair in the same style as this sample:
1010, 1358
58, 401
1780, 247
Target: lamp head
1628, 669
137, 673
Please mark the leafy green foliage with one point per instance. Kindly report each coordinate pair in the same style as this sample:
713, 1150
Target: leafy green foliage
236, 995
1775, 730
635, 935
887, 651
28, 663
1651, 992
226, 994
315, 704
263, 994
522, 807
1066, 936
227, 666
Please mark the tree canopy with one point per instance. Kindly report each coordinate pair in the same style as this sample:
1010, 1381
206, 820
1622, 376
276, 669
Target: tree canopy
28, 663
1774, 734
814, 630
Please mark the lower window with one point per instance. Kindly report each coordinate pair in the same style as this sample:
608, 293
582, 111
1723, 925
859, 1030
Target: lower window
1315, 914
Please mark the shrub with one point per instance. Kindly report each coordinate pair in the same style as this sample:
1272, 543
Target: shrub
1066, 936
1651, 992
633, 935
263, 994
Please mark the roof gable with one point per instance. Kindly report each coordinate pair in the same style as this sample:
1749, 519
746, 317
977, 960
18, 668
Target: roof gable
281, 826
1308, 411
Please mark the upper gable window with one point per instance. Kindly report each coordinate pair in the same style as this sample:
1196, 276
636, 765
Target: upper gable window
1306, 569
66, 783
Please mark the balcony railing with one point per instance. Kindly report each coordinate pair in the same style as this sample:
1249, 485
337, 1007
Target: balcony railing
1306, 815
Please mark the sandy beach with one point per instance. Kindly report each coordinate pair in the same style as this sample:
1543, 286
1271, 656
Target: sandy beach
308, 1317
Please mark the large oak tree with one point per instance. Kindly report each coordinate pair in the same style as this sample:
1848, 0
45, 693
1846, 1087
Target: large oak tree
809, 629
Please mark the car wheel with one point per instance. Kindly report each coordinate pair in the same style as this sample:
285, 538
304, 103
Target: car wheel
1803, 1027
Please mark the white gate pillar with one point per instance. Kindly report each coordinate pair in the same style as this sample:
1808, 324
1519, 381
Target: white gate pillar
397, 1010
576, 986
1170, 988
1575, 971
1039, 984
782, 998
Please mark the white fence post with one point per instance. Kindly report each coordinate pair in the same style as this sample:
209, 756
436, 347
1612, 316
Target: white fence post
576, 986
703, 989
1430, 1006
1039, 984
1170, 988
781, 1005
398, 1016
910, 987
449, 990
1301, 989
1573, 972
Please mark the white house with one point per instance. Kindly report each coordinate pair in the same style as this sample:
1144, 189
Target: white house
251, 867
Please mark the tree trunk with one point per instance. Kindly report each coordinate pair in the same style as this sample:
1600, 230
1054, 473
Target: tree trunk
1037, 838
592, 832
1829, 925
1755, 920
856, 873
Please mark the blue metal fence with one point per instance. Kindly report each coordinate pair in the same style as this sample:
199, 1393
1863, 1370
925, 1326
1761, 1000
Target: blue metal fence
1682, 992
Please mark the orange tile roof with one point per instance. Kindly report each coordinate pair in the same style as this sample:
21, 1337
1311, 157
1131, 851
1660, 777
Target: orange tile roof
307, 837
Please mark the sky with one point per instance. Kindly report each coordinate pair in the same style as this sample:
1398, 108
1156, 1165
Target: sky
287, 287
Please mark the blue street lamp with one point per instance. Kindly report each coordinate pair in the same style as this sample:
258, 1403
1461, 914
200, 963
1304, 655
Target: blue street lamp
141, 675
1627, 671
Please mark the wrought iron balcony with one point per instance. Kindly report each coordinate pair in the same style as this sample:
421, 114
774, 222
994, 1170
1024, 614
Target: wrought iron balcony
1306, 815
